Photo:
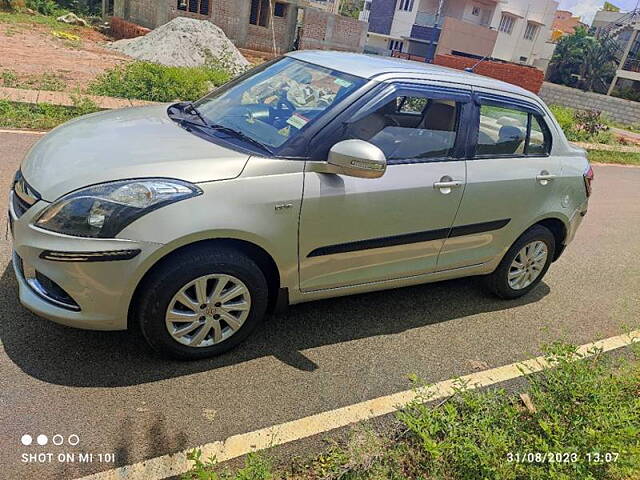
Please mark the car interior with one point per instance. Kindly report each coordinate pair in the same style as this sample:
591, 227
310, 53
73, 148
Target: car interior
410, 128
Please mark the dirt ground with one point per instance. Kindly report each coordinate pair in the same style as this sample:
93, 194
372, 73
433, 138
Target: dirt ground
29, 49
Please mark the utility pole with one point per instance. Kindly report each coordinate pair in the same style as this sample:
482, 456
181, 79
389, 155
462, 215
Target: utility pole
439, 12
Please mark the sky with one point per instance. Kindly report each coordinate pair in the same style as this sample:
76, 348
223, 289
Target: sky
588, 8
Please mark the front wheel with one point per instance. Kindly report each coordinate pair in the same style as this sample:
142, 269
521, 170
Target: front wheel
524, 265
202, 302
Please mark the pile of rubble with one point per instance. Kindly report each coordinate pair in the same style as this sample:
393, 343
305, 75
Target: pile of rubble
185, 42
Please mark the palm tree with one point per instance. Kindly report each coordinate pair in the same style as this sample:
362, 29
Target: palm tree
583, 61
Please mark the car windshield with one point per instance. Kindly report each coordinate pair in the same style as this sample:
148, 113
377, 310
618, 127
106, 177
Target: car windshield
277, 103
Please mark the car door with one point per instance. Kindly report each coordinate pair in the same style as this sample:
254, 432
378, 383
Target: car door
510, 180
355, 230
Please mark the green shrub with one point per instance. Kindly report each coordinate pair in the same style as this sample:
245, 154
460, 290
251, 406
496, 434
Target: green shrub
45, 7
583, 126
153, 82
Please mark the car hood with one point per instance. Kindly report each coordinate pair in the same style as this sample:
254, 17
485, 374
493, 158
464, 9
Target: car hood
121, 144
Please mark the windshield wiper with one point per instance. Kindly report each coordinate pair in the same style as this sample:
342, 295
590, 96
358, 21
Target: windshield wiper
242, 136
192, 108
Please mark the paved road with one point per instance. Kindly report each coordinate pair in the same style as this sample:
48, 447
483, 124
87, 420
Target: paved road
111, 391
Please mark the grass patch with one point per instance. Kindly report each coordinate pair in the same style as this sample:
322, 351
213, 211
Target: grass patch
45, 81
42, 116
24, 19
583, 410
158, 83
623, 158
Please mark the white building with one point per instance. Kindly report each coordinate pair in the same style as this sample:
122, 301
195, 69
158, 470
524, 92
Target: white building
524, 31
511, 30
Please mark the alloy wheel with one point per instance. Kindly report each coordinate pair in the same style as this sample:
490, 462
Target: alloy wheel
527, 265
208, 310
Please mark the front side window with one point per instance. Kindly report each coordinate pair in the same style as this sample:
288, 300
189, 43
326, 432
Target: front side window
410, 128
279, 102
508, 132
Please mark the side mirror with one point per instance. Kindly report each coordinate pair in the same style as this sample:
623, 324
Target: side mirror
357, 158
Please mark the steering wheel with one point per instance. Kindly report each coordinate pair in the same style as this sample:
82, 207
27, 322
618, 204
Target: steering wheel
282, 110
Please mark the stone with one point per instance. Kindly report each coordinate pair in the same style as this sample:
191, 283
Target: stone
72, 19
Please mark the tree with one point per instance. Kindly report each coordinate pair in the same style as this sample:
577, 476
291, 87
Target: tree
351, 8
610, 7
584, 61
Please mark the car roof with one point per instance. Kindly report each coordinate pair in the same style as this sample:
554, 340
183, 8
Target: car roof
372, 66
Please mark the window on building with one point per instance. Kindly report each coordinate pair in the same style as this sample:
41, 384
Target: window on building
259, 13
396, 45
531, 31
194, 6
280, 9
506, 24
406, 5
508, 132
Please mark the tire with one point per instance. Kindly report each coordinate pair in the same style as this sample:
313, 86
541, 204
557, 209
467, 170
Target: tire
191, 272
499, 283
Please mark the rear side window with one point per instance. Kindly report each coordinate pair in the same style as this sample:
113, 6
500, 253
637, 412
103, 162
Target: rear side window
510, 132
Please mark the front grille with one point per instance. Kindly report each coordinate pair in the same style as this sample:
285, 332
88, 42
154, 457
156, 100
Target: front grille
24, 197
20, 207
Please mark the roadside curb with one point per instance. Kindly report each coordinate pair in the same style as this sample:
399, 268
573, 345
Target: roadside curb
607, 148
33, 97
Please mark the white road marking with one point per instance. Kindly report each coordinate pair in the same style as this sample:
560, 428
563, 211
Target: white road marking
24, 132
238, 445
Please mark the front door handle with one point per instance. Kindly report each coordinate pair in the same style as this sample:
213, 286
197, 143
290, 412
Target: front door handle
451, 184
446, 183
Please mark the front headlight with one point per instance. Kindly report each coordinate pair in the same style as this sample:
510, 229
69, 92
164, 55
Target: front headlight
104, 210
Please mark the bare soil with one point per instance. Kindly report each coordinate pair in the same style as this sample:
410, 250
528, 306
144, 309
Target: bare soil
31, 49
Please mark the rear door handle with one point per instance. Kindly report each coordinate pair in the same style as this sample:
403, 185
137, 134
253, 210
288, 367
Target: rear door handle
545, 177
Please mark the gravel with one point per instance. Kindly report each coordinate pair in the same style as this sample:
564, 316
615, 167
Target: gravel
184, 42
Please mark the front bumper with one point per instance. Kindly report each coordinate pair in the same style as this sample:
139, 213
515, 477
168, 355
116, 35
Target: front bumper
99, 291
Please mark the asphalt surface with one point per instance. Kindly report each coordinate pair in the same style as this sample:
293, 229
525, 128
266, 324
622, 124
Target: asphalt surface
119, 398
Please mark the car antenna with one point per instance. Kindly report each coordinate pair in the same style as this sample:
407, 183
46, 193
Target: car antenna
471, 69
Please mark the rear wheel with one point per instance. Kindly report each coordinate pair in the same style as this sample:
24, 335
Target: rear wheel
524, 265
202, 302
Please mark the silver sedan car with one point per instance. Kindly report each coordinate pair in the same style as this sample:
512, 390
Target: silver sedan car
316, 175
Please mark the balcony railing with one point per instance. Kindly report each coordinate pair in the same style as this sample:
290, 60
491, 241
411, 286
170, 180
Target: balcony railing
428, 19
632, 65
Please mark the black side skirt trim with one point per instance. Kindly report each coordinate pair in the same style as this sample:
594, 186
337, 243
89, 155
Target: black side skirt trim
409, 238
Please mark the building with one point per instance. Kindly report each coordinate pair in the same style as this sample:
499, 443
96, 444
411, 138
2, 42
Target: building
565, 23
510, 30
430, 27
257, 24
624, 28
332, 6
524, 31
